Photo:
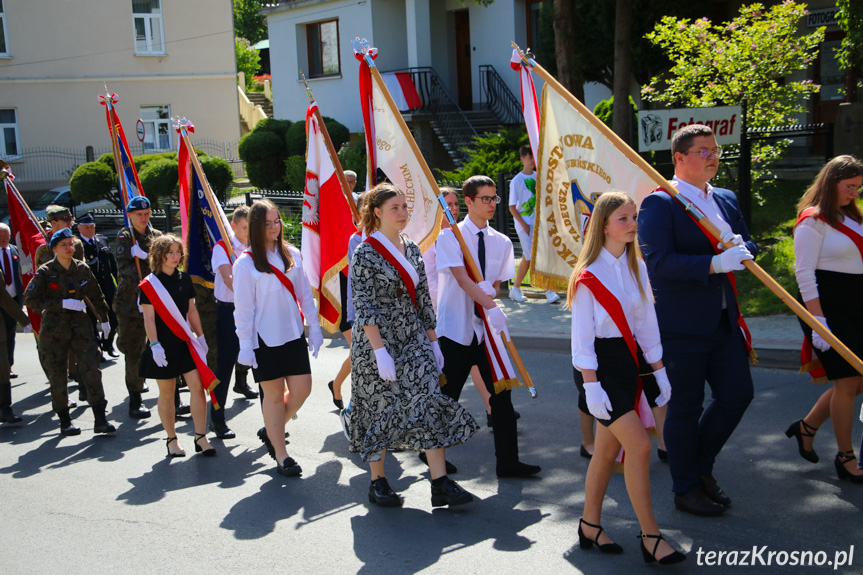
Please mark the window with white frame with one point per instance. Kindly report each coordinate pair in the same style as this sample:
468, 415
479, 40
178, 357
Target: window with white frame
323, 44
157, 128
149, 32
8, 133
4, 43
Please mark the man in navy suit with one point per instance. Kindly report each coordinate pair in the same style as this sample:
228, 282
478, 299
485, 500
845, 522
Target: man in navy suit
12, 275
703, 334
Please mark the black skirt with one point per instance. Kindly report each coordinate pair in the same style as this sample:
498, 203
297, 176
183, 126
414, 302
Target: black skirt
291, 358
179, 361
619, 378
842, 305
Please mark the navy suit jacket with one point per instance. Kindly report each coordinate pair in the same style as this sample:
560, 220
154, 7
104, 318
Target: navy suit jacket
16, 275
678, 255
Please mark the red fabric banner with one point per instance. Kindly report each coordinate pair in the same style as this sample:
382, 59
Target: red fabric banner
27, 235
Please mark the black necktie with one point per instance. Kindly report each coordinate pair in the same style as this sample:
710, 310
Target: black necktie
480, 252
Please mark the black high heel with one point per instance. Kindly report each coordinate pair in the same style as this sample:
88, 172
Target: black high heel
584, 452
800, 429
670, 559
585, 543
842, 458
180, 453
198, 449
337, 402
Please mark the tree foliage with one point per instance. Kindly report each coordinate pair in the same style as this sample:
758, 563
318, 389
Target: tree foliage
92, 182
247, 60
850, 19
247, 22
491, 154
160, 179
219, 174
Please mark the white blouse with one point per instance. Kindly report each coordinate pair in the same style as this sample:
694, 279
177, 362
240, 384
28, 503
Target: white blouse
590, 320
818, 246
264, 307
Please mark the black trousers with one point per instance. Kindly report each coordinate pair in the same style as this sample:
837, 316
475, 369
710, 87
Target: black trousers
10, 325
458, 360
229, 348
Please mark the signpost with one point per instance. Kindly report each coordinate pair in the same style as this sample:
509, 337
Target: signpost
139, 128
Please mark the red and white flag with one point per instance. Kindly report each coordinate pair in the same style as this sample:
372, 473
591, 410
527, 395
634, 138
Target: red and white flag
327, 225
529, 105
403, 90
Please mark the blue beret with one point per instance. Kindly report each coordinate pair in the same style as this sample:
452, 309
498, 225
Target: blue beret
138, 203
60, 236
86, 219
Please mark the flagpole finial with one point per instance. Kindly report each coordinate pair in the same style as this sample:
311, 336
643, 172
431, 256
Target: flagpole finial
363, 49
309, 93
182, 125
5, 170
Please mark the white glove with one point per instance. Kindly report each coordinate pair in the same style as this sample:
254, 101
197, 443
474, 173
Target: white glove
731, 237
438, 354
28, 328
487, 289
140, 309
203, 341
106, 328
247, 357
731, 260
598, 403
664, 387
316, 340
74, 305
137, 252
159, 355
497, 321
386, 365
818, 341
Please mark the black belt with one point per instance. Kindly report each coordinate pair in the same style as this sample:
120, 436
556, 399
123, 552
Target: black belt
225, 303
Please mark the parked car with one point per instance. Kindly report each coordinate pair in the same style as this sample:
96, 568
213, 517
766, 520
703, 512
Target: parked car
62, 197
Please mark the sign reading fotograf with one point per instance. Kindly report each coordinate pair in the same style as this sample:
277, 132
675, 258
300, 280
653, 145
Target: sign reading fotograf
656, 127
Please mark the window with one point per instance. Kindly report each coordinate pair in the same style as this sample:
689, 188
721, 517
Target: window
323, 39
534, 8
8, 133
157, 128
4, 46
149, 35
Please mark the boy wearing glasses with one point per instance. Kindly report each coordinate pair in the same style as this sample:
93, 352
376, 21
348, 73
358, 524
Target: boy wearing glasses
59, 218
703, 334
460, 328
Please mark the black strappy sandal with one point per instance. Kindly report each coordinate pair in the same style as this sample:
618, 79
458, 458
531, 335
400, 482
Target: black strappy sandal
198, 449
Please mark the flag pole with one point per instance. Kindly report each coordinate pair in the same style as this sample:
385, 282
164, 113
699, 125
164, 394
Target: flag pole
758, 271
346, 189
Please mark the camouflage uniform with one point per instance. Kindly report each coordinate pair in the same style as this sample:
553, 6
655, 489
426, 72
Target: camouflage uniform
13, 308
45, 254
64, 329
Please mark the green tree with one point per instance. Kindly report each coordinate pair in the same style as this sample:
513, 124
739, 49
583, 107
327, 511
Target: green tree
247, 60
219, 174
248, 23
92, 182
160, 179
850, 19
491, 154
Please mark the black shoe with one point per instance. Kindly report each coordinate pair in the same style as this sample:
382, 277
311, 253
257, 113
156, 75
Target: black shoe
71, 403
842, 472
183, 409
109, 349
713, 491
517, 415
289, 468
449, 493
650, 557
380, 493
337, 402
101, 422
68, 428
245, 391
13, 375
8, 416
136, 407
586, 543
800, 429
697, 503
222, 431
180, 453
517, 469
265, 439
489, 422
662, 455
198, 449
585, 453
82, 395
145, 388
450, 468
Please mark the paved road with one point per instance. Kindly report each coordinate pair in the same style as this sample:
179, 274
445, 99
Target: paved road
116, 505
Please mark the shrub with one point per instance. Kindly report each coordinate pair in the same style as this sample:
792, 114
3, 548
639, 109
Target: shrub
92, 182
295, 172
219, 174
264, 157
108, 159
491, 154
160, 179
247, 60
605, 111
353, 157
144, 159
295, 140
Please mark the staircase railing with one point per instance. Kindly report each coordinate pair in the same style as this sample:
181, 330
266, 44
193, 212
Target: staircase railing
496, 96
249, 112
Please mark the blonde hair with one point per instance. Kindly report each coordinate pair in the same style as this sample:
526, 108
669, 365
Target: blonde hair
594, 240
159, 251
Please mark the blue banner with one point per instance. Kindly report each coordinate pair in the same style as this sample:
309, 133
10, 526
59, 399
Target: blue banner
127, 172
203, 235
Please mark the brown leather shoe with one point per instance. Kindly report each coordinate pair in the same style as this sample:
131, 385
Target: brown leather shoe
713, 491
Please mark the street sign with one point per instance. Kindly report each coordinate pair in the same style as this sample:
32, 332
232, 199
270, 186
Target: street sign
656, 127
140, 130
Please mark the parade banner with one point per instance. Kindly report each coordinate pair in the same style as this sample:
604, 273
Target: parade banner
203, 232
529, 106
128, 182
576, 164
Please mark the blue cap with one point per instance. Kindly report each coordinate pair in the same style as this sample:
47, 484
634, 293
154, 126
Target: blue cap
86, 220
137, 203
60, 236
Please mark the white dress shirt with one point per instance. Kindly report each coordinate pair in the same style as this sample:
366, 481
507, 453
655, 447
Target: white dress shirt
456, 318
7, 253
704, 201
590, 320
219, 258
818, 246
265, 308
430, 261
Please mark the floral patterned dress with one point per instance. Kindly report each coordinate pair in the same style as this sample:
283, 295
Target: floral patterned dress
410, 412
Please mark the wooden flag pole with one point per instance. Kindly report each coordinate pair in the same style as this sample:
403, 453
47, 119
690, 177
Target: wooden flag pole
758, 271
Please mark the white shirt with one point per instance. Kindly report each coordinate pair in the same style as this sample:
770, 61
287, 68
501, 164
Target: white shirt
430, 260
704, 201
265, 308
519, 195
818, 246
10, 289
456, 318
590, 320
219, 258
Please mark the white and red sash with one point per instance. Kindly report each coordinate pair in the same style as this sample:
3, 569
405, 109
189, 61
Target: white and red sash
170, 314
406, 271
289, 285
615, 311
221, 244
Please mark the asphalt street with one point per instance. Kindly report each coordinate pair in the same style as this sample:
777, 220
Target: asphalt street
117, 505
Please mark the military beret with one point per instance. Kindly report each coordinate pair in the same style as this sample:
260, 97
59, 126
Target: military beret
86, 220
138, 203
54, 212
60, 236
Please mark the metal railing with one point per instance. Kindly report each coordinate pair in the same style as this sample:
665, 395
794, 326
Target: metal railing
496, 96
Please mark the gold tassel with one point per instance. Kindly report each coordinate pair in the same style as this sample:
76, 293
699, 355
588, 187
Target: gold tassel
651, 431
506, 384
617, 467
547, 282
753, 357
442, 380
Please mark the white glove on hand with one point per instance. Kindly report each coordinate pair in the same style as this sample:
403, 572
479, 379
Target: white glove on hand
159, 355
74, 305
598, 403
731, 237
316, 340
106, 328
203, 341
247, 357
664, 387
487, 289
497, 321
386, 365
818, 341
28, 328
137, 252
438, 355
731, 260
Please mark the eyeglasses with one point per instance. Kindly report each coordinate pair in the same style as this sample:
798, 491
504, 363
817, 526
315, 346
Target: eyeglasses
851, 188
707, 154
273, 224
487, 199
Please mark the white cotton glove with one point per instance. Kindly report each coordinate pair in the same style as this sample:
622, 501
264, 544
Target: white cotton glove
818, 341
731, 260
729, 237
386, 365
140, 309
203, 341
497, 321
247, 357
74, 305
106, 328
598, 403
159, 355
137, 252
438, 354
487, 289
664, 387
28, 328
316, 340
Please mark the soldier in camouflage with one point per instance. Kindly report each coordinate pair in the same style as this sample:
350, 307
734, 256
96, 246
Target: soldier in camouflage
59, 218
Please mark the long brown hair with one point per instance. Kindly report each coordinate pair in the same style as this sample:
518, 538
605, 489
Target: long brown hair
375, 198
258, 242
822, 193
159, 251
594, 239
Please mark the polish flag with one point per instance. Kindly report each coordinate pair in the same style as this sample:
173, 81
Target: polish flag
403, 91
